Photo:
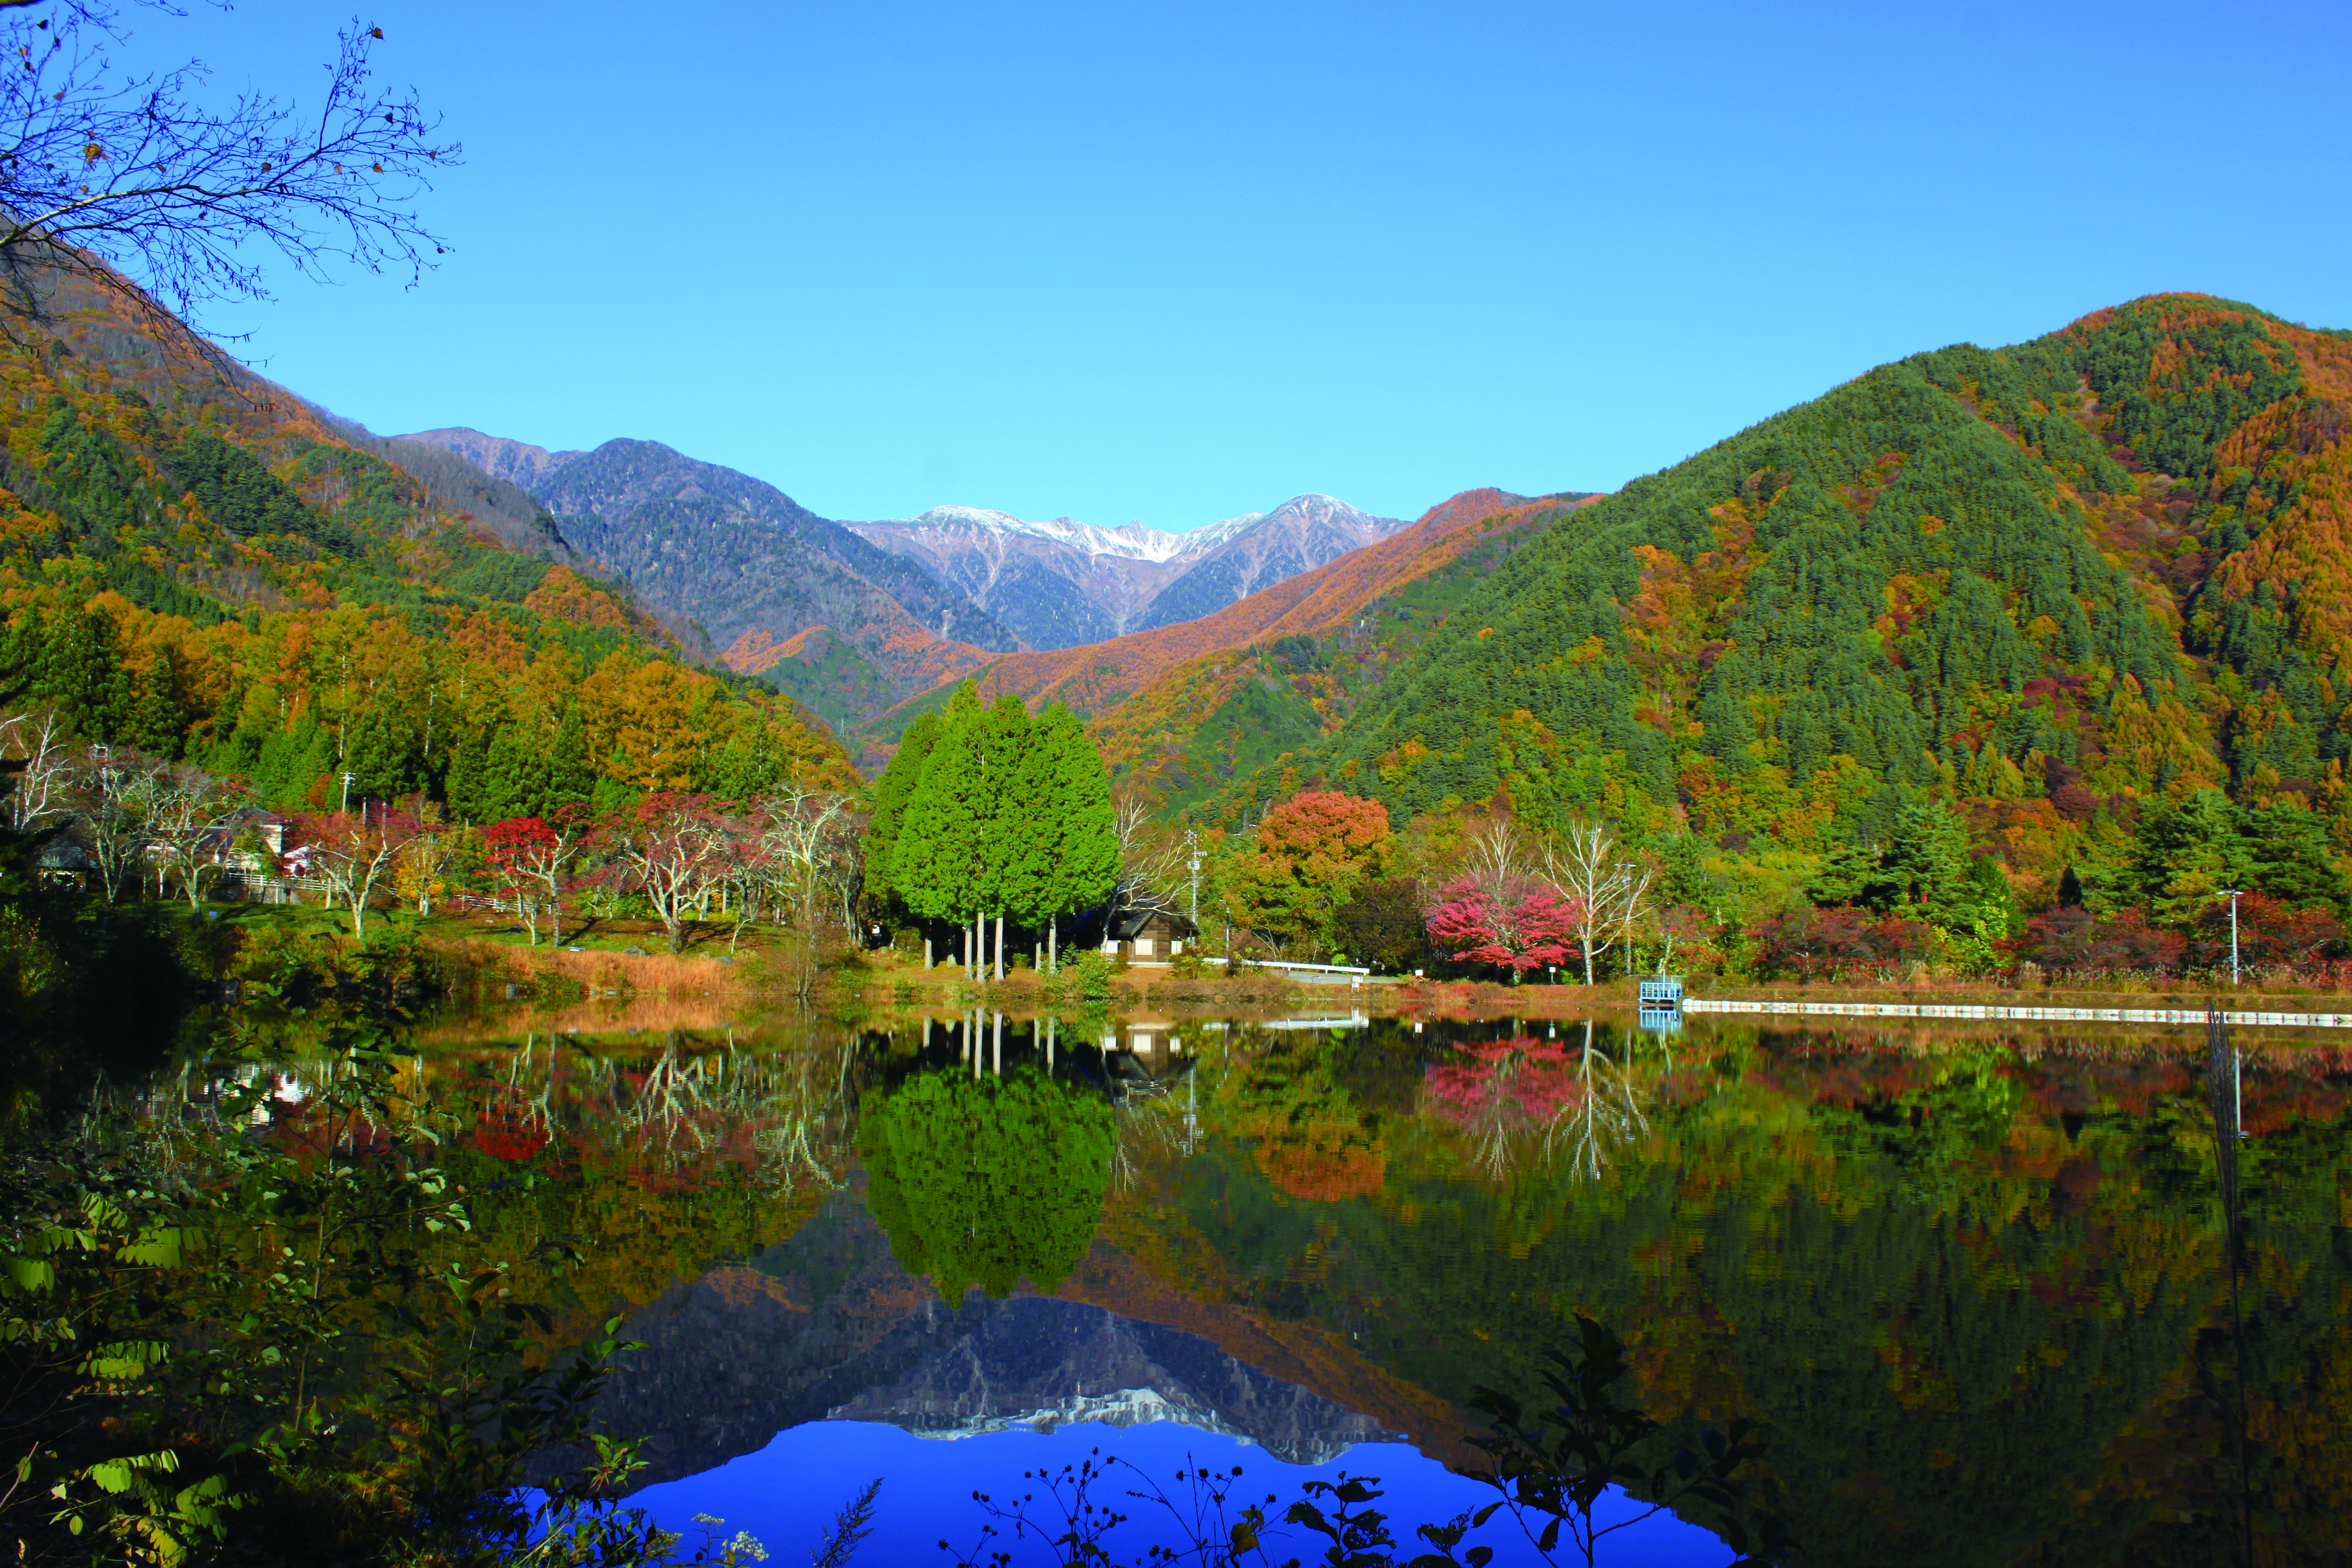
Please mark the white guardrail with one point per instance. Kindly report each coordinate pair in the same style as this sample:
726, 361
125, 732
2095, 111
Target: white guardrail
1986, 1010
1297, 968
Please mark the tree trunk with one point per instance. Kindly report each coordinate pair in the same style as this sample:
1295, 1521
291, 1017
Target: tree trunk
1053, 939
999, 946
927, 964
1586, 949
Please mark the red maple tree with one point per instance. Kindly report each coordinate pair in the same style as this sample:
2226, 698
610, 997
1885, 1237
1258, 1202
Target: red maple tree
1518, 924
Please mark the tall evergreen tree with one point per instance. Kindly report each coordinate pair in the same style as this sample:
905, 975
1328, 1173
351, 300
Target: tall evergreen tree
461, 785
157, 719
1926, 866
1082, 832
892, 791
937, 863
1015, 860
570, 770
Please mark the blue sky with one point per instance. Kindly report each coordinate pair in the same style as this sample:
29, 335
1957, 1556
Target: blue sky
1169, 263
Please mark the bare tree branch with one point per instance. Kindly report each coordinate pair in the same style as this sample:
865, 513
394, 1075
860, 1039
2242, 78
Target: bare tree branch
139, 185
1151, 863
1587, 864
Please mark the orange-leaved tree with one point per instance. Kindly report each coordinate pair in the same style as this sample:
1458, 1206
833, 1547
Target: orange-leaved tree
1313, 851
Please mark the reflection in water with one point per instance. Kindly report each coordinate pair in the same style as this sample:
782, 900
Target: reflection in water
1979, 1285
982, 1183
1522, 1099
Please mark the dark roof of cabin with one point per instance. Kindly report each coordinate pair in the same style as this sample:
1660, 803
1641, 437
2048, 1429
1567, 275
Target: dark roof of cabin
1135, 922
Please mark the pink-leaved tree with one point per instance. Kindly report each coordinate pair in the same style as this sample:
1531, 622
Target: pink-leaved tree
1516, 922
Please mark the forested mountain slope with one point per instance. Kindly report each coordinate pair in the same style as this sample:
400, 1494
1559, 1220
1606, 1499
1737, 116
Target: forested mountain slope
195, 565
1223, 716
736, 556
2050, 581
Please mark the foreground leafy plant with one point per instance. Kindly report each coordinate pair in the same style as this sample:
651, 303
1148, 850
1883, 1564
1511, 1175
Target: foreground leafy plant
1552, 1473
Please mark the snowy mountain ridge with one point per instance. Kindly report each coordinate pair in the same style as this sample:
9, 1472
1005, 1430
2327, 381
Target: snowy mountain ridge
1133, 542
1062, 583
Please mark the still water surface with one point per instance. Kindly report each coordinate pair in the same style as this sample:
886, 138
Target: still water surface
1977, 1284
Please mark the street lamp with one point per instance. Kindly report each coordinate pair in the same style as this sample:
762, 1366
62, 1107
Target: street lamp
2234, 895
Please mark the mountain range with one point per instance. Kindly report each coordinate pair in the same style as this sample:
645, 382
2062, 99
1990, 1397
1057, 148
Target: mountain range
203, 567
1063, 584
2049, 582
851, 617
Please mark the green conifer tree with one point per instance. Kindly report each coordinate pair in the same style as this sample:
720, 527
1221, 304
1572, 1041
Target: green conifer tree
513, 781
466, 784
936, 865
157, 719
1015, 854
1925, 869
1082, 838
892, 791
571, 771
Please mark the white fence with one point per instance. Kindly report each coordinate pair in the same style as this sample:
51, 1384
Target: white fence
1985, 1010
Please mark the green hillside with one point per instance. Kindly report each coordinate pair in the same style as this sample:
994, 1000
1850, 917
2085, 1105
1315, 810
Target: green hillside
195, 565
2049, 582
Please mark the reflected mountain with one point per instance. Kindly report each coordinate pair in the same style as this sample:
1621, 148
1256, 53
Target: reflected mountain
829, 1326
1035, 1361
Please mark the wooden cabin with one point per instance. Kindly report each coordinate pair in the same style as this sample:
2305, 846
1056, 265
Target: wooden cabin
1148, 936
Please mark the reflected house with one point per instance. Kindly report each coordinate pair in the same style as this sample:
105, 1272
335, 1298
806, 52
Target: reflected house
1148, 936
63, 860
1153, 1043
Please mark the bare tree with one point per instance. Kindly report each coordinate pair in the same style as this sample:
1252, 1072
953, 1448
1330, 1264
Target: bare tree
1152, 862
164, 195
112, 810
807, 859
1612, 892
187, 812
1499, 854
673, 848
35, 749
352, 853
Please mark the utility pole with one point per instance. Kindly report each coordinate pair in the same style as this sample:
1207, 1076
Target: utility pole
2234, 895
347, 791
1192, 849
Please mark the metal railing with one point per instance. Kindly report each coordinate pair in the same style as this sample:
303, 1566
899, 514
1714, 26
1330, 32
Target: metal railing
1992, 1010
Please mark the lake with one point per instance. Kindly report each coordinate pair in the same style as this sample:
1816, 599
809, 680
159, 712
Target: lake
1977, 1285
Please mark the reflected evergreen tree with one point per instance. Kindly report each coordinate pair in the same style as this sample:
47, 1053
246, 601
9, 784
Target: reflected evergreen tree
987, 1182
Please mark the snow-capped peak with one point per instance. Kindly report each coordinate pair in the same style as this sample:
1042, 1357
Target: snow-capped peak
1136, 541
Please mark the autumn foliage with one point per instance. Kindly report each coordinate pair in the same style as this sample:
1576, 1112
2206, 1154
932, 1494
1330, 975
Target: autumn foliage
1523, 923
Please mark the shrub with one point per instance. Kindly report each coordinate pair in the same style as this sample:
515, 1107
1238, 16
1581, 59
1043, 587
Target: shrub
2071, 938
1815, 944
